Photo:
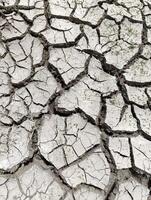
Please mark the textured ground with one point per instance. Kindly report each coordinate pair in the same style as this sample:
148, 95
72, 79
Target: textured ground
75, 100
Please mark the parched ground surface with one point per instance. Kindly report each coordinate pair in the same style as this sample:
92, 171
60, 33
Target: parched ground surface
75, 100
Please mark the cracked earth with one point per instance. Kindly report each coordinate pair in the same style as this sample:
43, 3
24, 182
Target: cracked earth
75, 100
